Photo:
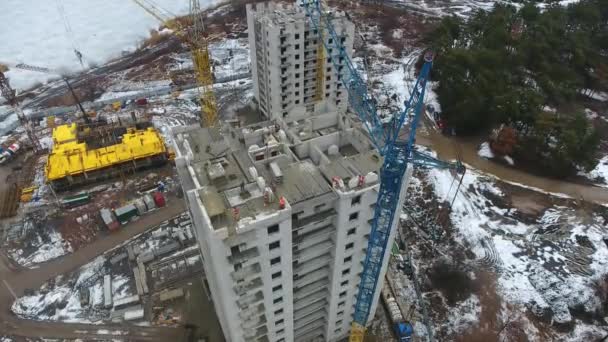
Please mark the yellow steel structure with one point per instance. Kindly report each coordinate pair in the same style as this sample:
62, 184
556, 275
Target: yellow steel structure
357, 333
197, 41
27, 194
320, 59
204, 76
70, 157
50, 121
320, 71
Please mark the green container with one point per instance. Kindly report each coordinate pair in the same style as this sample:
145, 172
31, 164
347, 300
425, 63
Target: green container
76, 200
126, 213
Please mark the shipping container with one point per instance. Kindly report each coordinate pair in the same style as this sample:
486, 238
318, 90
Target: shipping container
182, 237
134, 315
159, 199
149, 201
108, 219
166, 249
125, 302
76, 200
84, 295
13, 148
107, 291
140, 205
171, 294
126, 213
118, 258
145, 257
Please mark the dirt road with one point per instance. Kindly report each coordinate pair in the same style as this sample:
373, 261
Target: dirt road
447, 148
14, 283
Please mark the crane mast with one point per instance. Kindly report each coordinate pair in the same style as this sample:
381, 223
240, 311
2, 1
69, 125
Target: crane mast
202, 65
394, 142
197, 40
9, 94
320, 60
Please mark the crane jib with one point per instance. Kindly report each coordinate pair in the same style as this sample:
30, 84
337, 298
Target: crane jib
398, 153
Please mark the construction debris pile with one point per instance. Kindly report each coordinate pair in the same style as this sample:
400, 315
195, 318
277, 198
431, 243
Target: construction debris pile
136, 281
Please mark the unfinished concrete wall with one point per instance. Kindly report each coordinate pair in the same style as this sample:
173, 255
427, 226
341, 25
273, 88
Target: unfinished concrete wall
284, 61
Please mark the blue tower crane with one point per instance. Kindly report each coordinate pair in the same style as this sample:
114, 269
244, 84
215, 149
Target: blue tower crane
394, 143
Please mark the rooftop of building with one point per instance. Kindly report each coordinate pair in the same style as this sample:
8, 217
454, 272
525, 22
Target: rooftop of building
279, 13
243, 170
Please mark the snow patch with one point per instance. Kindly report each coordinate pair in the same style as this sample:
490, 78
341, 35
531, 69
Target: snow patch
485, 151
464, 315
547, 266
94, 26
54, 247
599, 174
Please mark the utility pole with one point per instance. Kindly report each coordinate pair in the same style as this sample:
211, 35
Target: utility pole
44, 70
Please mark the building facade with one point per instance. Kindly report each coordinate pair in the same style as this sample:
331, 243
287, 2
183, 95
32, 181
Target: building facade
285, 61
282, 217
282, 208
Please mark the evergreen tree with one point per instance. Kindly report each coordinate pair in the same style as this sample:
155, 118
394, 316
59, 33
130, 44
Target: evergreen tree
503, 66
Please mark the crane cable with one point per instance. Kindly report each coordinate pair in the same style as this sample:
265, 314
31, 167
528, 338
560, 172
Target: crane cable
160, 9
70, 32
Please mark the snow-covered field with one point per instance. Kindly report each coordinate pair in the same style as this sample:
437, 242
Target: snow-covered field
34, 32
231, 57
43, 251
59, 300
547, 254
61, 303
40, 242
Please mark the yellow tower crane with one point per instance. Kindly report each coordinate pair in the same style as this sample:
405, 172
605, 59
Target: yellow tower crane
320, 59
202, 65
196, 38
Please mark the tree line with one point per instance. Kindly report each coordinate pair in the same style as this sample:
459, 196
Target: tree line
512, 66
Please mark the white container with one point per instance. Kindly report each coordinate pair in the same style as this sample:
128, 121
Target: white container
149, 201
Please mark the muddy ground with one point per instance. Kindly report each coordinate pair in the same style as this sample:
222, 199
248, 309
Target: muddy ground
451, 274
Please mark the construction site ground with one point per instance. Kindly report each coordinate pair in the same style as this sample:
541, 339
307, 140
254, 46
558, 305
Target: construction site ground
15, 282
44, 221
506, 263
178, 268
518, 214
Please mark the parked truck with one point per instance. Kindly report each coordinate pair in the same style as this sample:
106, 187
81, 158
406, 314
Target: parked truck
401, 327
8, 153
109, 219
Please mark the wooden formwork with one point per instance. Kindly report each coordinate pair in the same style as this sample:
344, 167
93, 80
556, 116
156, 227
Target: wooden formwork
9, 201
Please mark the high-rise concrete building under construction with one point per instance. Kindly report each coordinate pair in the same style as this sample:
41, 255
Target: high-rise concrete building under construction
282, 207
